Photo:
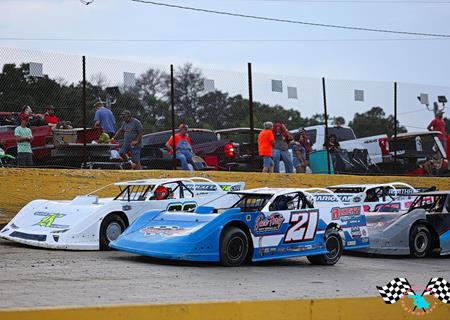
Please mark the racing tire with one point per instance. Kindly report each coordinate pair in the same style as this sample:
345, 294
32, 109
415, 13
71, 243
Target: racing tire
234, 247
333, 243
111, 228
419, 241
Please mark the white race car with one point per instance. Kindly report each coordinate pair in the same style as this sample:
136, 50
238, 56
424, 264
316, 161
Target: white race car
383, 197
90, 223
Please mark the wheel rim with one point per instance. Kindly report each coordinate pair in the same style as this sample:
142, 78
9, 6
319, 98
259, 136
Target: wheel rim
421, 242
235, 248
113, 231
333, 246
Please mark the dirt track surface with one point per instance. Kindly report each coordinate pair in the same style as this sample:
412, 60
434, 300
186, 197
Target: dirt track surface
20, 186
32, 277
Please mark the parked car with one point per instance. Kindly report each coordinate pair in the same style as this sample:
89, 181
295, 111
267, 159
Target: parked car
424, 229
242, 137
263, 224
409, 151
89, 222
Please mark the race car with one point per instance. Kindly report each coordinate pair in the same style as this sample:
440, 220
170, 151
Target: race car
423, 229
89, 223
386, 197
263, 224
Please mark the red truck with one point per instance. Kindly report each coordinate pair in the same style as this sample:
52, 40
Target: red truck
42, 137
45, 148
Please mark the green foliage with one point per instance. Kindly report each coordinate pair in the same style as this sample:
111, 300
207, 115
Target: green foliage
374, 122
149, 101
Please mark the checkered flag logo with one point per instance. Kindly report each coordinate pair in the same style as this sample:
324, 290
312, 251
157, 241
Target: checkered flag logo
395, 290
439, 288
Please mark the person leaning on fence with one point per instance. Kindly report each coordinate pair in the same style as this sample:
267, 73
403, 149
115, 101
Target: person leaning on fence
183, 147
24, 137
132, 131
104, 119
281, 148
266, 141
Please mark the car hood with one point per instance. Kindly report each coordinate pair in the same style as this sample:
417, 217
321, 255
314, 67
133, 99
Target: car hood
52, 215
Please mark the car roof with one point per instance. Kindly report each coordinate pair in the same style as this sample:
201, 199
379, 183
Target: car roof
270, 191
236, 129
152, 182
371, 185
417, 133
433, 193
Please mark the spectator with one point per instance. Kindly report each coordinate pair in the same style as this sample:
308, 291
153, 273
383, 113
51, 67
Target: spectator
24, 137
183, 147
300, 161
50, 118
307, 144
266, 141
333, 147
104, 119
281, 148
25, 114
438, 124
132, 131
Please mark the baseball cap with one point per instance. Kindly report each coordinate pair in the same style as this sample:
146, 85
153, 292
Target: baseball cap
125, 113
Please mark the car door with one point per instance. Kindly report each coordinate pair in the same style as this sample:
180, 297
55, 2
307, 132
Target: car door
439, 218
287, 219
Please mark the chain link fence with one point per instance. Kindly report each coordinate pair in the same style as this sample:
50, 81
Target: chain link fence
223, 110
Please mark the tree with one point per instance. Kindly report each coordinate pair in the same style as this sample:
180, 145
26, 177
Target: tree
151, 83
374, 122
189, 86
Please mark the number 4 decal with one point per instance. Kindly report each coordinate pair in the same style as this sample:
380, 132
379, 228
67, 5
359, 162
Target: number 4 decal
303, 226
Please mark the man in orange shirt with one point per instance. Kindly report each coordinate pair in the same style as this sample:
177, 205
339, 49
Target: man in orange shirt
183, 147
266, 140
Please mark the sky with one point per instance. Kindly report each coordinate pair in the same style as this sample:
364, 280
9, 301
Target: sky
300, 61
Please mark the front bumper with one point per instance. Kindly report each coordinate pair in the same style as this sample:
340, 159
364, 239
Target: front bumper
49, 241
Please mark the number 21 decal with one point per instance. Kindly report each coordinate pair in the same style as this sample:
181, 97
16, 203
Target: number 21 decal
303, 226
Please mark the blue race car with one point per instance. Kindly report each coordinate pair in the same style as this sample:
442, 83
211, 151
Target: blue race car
263, 224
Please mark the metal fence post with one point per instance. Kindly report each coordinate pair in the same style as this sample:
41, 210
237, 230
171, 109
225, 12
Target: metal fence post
172, 102
325, 114
395, 125
250, 109
85, 151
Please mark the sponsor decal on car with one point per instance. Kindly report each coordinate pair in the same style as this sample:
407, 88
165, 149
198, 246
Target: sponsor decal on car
164, 230
337, 213
48, 220
356, 232
271, 223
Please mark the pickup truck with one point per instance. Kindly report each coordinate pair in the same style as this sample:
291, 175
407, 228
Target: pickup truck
376, 146
220, 154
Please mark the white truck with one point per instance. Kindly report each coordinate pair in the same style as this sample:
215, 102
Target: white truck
377, 146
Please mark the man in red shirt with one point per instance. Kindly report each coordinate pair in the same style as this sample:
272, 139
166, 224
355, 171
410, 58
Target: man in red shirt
266, 140
50, 118
183, 147
438, 124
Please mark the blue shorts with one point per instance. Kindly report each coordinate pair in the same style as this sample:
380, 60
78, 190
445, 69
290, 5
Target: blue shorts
268, 162
135, 152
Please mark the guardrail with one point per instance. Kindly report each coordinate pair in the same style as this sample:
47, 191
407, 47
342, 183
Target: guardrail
372, 308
